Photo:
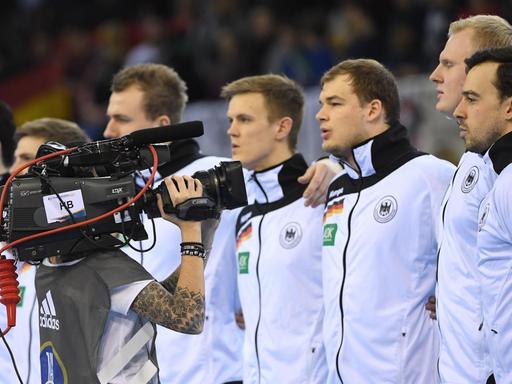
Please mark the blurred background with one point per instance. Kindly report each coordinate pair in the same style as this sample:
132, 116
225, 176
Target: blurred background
57, 57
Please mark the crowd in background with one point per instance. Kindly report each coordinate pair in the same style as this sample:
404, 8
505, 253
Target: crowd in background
213, 42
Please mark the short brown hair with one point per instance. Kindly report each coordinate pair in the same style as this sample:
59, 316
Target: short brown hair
51, 129
165, 93
370, 80
283, 98
489, 31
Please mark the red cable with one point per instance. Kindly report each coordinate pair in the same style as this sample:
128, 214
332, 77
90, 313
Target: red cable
9, 292
18, 170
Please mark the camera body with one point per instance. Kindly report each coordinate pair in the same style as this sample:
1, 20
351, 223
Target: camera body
32, 208
93, 180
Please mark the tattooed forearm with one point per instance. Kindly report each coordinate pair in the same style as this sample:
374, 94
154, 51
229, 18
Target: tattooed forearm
182, 311
172, 281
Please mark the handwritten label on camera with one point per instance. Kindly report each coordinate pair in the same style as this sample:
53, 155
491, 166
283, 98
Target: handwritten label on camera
58, 210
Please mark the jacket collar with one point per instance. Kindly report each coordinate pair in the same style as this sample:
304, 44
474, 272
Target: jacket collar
381, 154
278, 182
500, 153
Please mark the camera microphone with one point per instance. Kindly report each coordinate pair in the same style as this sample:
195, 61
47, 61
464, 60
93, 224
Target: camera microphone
166, 133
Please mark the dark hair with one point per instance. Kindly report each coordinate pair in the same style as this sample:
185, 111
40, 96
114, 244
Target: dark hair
501, 56
165, 93
283, 98
370, 80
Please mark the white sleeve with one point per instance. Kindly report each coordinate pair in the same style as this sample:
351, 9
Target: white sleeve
498, 318
503, 202
123, 296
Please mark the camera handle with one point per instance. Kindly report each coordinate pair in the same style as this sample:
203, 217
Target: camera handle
194, 209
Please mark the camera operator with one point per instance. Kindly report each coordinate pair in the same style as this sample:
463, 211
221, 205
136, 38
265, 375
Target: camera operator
98, 312
24, 340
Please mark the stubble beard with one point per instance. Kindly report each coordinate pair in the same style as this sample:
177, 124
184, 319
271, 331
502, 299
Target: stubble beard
481, 146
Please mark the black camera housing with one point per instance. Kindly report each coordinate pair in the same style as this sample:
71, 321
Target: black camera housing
96, 178
25, 215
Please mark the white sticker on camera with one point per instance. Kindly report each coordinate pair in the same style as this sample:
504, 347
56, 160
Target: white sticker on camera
126, 217
57, 210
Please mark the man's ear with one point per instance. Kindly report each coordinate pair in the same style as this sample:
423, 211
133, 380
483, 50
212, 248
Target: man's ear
284, 127
508, 108
374, 110
163, 120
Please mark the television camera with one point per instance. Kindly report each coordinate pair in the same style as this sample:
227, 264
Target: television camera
72, 200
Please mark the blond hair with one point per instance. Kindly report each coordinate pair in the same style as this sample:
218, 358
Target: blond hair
489, 31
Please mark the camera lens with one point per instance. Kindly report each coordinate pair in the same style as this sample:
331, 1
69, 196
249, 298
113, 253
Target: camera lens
224, 184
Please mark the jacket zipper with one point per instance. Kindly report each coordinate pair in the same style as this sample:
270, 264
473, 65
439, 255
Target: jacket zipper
437, 267
259, 284
349, 232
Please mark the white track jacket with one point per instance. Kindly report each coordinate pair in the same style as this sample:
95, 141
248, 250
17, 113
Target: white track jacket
462, 355
379, 263
279, 246
495, 260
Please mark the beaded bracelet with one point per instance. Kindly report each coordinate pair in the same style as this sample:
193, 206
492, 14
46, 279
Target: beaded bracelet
193, 249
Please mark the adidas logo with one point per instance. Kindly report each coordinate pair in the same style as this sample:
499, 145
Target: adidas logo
47, 313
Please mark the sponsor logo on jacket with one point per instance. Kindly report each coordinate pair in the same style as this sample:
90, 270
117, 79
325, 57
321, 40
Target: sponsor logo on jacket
48, 314
336, 193
330, 231
243, 263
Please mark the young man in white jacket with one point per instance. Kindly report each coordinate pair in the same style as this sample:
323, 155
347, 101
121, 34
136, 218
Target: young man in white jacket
379, 239
278, 239
485, 120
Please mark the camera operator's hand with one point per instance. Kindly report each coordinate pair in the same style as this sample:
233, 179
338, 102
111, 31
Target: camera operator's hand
182, 188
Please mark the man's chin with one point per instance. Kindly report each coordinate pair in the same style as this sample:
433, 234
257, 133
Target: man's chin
445, 110
328, 148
